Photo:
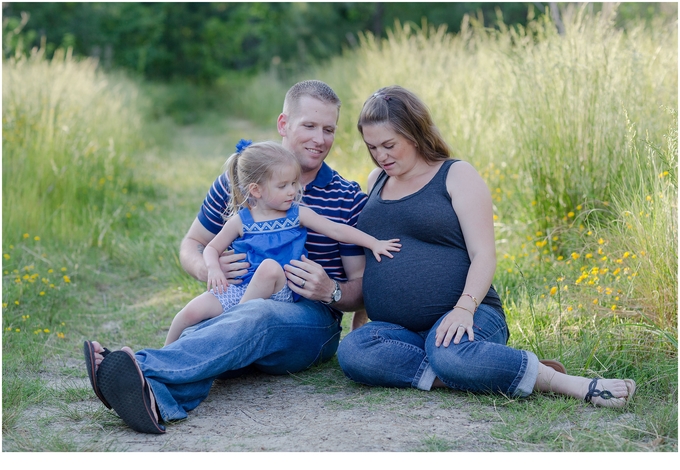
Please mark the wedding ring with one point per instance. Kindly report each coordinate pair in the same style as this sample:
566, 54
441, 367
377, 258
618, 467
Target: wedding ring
461, 326
303, 284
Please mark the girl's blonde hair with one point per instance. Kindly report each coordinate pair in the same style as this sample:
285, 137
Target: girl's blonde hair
408, 116
256, 164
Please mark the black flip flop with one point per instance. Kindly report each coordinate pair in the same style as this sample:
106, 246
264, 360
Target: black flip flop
123, 384
88, 350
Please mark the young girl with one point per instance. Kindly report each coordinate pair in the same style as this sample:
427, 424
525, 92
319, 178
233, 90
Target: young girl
267, 223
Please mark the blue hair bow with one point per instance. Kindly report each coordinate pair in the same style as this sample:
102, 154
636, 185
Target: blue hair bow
242, 145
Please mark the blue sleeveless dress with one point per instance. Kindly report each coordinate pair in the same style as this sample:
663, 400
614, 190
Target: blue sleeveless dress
280, 239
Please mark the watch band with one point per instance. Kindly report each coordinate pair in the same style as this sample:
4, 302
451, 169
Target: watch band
334, 294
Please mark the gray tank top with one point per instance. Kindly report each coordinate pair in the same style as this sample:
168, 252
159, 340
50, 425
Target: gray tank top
426, 278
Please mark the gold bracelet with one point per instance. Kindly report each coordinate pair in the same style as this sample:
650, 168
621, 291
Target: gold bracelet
474, 299
471, 312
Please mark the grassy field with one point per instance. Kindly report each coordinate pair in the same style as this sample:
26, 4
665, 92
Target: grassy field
575, 135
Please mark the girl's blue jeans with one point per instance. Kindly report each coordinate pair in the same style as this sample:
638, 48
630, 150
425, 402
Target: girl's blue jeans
274, 337
385, 354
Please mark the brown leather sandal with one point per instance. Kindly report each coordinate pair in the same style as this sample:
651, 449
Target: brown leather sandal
554, 365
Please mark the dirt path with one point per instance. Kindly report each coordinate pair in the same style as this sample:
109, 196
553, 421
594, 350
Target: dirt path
261, 413
279, 414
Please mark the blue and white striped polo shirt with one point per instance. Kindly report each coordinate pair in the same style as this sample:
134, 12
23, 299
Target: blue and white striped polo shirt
329, 194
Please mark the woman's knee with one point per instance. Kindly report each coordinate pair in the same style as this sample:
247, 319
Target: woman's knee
355, 350
349, 349
446, 362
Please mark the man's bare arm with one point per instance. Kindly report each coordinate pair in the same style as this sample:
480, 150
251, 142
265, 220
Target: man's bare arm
352, 296
191, 255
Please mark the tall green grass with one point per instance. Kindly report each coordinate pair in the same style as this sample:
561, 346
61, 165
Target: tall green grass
573, 134
69, 134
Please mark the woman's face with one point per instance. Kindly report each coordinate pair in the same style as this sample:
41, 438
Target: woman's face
393, 152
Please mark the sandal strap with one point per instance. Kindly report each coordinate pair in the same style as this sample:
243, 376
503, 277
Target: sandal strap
594, 392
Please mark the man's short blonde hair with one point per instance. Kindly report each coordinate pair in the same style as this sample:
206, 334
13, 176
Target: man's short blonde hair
313, 88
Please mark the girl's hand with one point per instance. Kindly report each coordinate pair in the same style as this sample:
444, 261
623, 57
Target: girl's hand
454, 325
217, 281
383, 247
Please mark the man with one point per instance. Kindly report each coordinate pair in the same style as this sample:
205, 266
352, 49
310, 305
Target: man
273, 337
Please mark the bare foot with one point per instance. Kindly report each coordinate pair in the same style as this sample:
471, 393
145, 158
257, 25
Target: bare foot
622, 391
549, 380
98, 350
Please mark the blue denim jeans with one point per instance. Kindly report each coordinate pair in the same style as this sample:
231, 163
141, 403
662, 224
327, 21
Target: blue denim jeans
385, 354
273, 337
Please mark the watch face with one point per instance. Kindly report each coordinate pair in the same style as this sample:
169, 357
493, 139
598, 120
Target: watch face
337, 293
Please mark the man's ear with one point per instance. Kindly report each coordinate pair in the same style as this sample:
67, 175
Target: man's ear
281, 123
254, 190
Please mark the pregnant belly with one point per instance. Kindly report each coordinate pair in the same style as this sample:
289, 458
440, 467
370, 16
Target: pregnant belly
411, 291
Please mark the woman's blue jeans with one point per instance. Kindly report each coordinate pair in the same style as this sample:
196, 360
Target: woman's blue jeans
385, 354
274, 337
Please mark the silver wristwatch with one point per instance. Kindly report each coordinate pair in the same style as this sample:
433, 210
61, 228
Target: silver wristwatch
336, 295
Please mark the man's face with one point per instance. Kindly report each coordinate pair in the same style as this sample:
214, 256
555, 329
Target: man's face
309, 131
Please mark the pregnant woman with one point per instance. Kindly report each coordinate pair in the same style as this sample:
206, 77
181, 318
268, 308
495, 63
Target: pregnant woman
437, 321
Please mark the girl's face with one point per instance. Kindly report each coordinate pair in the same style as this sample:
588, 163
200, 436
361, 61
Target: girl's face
280, 191
393, 152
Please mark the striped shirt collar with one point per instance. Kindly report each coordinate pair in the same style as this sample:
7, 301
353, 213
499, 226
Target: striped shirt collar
323, 177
